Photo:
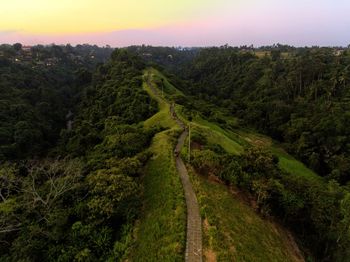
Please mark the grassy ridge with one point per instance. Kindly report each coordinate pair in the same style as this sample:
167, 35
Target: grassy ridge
293, 166
161, 230
286, 162
216, 135
234, 141
168, 88
232, 231
160, 233
162, 118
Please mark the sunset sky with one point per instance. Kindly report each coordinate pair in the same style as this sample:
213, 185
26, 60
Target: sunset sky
180, 22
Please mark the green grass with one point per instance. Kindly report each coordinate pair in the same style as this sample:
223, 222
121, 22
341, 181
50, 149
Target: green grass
212, 132
162, 118
169, 89
160, 234
160, 231
261, 54
293, 166
232, 231
234, 141
216, 135
286, 162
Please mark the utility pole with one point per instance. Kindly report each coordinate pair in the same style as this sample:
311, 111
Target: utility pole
189, 142
162, 87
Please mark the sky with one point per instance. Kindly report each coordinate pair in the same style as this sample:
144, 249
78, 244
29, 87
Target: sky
176, 22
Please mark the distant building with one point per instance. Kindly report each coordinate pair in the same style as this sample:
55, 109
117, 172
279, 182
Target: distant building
26, 54
26, 48
338, 52
51, 61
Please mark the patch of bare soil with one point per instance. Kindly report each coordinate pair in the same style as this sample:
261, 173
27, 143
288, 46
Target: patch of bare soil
209, 254
196, 145
215, 179
288, 239
206, 225
243, 196
258, 141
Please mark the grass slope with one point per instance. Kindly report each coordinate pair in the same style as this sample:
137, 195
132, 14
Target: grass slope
160, 233
216, 135
286, 161
233, 141
232, 231
162, 118
168, 88
161, 230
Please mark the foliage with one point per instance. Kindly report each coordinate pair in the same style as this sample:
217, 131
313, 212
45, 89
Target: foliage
301, 100
38, 90
81, 207
233, 231
316, 212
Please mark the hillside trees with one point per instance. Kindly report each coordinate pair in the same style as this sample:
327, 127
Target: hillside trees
317, 213
301, 100
33, 105
80, 201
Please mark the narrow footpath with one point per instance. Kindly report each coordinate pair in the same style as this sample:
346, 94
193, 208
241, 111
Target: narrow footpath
193, 251
194, 224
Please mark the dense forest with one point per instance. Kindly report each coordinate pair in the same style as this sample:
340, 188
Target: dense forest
317, 213
71, 193
301, 99
39, 88
171, 58
298, 96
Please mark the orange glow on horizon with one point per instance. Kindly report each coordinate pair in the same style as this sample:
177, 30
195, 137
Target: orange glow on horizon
83, 16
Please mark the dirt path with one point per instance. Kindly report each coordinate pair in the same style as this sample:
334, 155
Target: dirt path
194, 224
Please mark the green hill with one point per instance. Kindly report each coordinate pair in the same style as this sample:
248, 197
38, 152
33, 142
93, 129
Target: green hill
160, 232
225, 217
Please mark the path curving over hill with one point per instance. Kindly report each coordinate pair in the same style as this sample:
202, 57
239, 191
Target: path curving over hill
193, 251
194, 224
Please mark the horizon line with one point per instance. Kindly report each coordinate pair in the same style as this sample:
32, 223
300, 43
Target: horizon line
250, 46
